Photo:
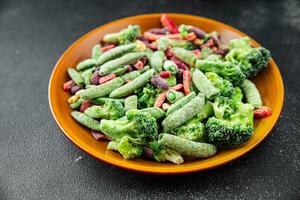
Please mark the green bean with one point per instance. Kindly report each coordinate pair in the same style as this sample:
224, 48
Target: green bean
86, 75
157, 60
75, 76
163, 44
204, 85
89, 86
130, 76
86, 64
96, 51
126, 59
101, 90
132, 85
186, 56
94, 112
157, 113
103, 100
170, 66
76, 104
187, 147
144, 69
251, 94
188, 111
180, 103
130, 102
149, 53
86, 120
174, 96
181, 43
121, 70
115, 53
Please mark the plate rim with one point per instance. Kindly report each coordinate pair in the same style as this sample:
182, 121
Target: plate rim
155, 170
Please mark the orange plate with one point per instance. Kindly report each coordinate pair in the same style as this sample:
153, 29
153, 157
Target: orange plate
269, 83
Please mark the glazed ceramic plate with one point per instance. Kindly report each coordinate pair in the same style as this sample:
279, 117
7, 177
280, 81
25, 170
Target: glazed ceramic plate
269, 83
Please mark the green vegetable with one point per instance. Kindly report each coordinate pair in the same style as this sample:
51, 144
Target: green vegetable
86, 75
133, 85
188, 111
180, 103
96, 52
86, 120
157, 60
128, 149
126, 59
192, 130
76, 104
130, 76
103, 100
125, 36
235, 126
121, 71
144, 69
187, 147
147, 97
137, 125
183, 30
86, 64
206, 112
130, 102
252, 94
75, 76
186, 56
174, 96
204, 85
101, 90
162, 44
225, 87
162, 154
111, 110
227, 70
205, 52
157, 113
251, 60
170, 66
115, 53
172, 81
185, 44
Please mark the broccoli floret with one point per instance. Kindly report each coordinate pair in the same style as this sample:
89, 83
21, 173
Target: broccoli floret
147, 97
251, 60
225, 87
128, 149
192, 130
125, 36
112, 109
233, 124
228, 70
162, 154
138, 124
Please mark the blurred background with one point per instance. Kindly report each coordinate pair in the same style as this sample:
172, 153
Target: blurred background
38, 162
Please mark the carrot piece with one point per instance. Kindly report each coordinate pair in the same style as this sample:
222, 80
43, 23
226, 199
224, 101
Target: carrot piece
152, 37
186, 81
191, 36
262, 112
160, 99
168, 23
107, 78
177, 87
68, 85
108, 47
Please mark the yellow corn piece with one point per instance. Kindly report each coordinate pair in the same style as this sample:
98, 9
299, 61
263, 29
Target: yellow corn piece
73, 98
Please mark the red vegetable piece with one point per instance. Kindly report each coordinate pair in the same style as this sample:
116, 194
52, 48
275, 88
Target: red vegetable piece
139, 65
107, 78
68, 85
152, 37
186, 81
99, 136
177, 87
179, 63
262, 112
95, 77
197, 52
169, 24
160, 100
165, 74
191, 36
108, 47
85, 104
169, 54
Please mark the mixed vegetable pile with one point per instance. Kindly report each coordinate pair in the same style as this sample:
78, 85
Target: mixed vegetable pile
169, 93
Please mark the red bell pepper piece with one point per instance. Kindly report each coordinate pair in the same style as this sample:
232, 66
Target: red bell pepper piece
139, 65
108, 47
197, 52
68, 85
169, 24
165, 74
186, 81
107, 78
262, 112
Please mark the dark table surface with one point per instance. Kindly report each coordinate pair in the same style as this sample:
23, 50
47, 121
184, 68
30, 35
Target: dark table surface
38, 162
